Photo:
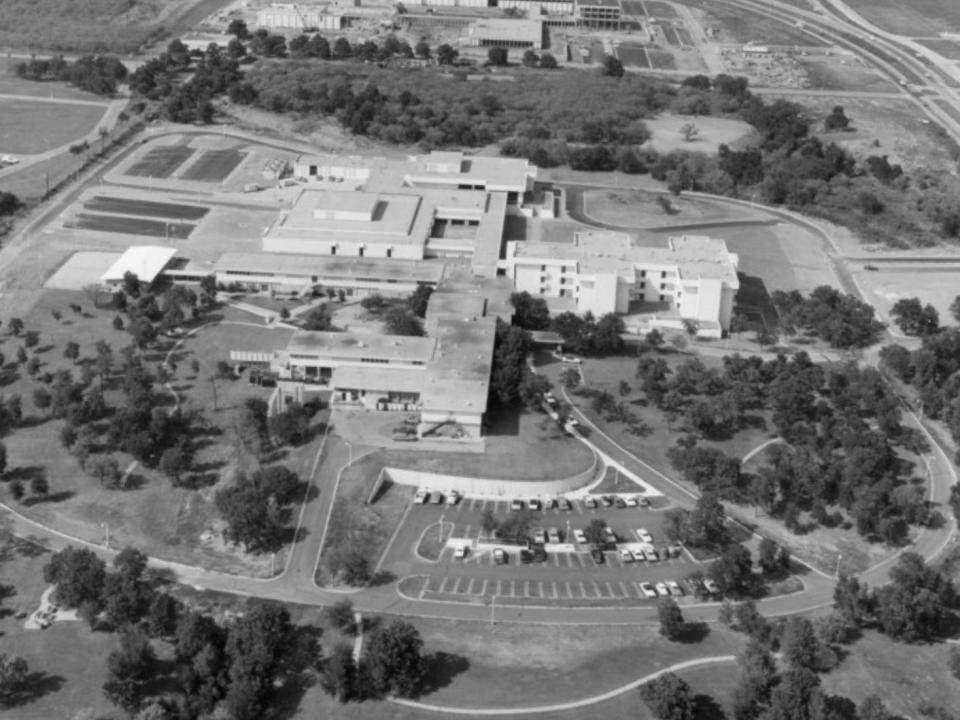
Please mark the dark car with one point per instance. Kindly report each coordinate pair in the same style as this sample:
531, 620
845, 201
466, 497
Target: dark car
597, 555
605, 501
620, 502
526, 557
539, 553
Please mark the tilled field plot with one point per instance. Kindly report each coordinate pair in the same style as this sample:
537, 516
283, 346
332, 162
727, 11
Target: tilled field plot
214, 165
132, 226
160, 162
127, 206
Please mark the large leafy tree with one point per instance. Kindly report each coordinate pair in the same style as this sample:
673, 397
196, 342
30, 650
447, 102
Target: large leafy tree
78, 574
393, 660
669, 697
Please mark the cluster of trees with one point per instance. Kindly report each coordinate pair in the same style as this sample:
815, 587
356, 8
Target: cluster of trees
932, 370
840, 319
239, 667
400, 318
257, 508
98, 74
838, 427
583, 335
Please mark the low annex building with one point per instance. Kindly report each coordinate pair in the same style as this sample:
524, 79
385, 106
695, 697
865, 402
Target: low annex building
693, 278
144, 261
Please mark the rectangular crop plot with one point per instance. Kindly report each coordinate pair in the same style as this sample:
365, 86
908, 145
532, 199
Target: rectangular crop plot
160, 162
132, 226
671, 35
662, 61
214, 165
633, 56
660, 10
633, 7
684, 35
127, 206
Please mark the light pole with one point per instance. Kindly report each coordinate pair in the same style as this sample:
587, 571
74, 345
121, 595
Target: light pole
106, 528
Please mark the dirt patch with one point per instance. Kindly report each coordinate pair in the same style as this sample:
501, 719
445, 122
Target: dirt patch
843, 72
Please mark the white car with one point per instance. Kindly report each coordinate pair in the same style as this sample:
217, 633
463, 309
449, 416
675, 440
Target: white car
711, 586
647, 590
638, 555
631, 502
579, 536
461, 552
625, 555
453, 497
674, 587
533, 504
662, 590
553, 536
421, 497
570, 359
642, 501
644, 535
539, 536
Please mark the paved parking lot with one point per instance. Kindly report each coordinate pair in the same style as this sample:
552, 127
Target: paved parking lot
568, 576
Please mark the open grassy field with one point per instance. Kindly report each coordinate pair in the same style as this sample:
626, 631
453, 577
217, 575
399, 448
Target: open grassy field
524, 665
905, 676
913, 18
28, 127
948, 48
713, 133
890, 283
10, 84
640, 209
736, 25
67, 660
839, 73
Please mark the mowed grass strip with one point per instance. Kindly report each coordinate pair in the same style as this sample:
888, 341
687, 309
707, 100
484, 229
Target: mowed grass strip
214, 165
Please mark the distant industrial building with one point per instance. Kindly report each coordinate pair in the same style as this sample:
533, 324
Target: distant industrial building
598, 13
298, 16
509, 33
693, 278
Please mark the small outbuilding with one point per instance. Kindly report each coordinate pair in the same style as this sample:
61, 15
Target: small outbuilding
144, 261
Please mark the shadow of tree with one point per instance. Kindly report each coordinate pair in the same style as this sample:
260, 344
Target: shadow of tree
706, 708
35, 686
694, 632
384, 577
441, 669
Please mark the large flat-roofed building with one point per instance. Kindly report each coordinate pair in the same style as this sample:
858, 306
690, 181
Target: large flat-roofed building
357, 277
598, 13
510, 33
144, 261
299, 16
693, 278
445, 376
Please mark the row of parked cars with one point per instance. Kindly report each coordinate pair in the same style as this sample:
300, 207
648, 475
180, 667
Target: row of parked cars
422, 497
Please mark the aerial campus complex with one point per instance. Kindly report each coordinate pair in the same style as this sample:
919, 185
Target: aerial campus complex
373, 225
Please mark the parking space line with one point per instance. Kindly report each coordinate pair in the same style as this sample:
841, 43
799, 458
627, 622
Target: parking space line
581, 562
469, 589
613, 593
554, 589
623, 589
456, 586
483, 590
466, 532
513, 588
583, 590
443, 585
497, 591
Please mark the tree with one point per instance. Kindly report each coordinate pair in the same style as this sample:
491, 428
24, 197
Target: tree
530, 59
548, 62
78, 574
21, 355
488, 522
422, 49
342, 617
290, 427
13, 675
596, 532
3, 459
419, 299
671, 619
17, 490
163, 614
348, 564
955, 308
128, 670
850, 599
758, 676
339, 674
530, 313
238, 28
251, 425
669, 697
447, 54
688, 131
399, 321
72, 351
836, 120
15, 325
772, 558
917, 603
799, 643
612, 67
532, 389
796, 697
105, 468
913, 318
131, 284
498, 56
174, 462
393, 660
39, 485
31, 339
511, 347
732, 571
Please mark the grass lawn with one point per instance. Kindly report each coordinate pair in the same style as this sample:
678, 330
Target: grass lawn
905, 676
26, 126
67, 660
614, 482
714, 131
10, 84
918, 17
434, 540
638, 208
508, 665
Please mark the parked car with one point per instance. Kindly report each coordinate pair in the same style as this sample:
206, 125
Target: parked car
605, 501
572, 426
591, 503
539, 536
421, 497
644, 535
647, 590
533, 504
579, 536
526, 557
570, 359
500, 556
597, 555
651, 556
625, 555
674, 587
642, 501
631, 502
609, 535
516, 505
453, 497
662, 590
436, 498
639, 556
563, 503
539, 553
461, 552
549, 398
710, 586
553, 536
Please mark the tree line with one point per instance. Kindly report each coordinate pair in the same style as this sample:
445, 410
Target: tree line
98, 74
